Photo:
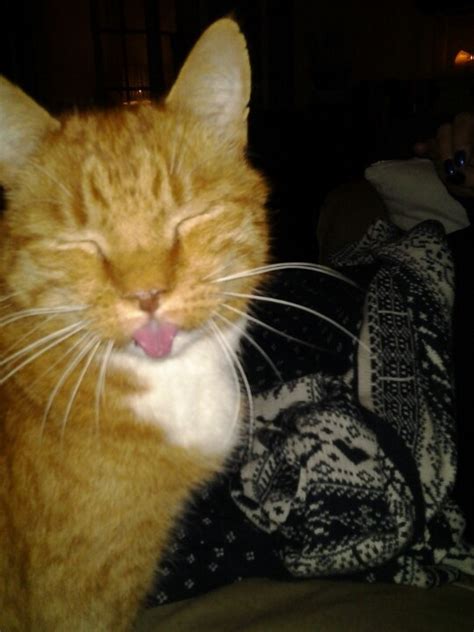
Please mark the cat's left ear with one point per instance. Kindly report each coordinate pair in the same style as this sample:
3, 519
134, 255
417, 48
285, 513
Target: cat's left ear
214, 83
23, 124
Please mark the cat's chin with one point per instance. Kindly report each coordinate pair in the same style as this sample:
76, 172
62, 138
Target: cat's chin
182, 341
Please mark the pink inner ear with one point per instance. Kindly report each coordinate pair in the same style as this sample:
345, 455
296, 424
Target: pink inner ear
156, 339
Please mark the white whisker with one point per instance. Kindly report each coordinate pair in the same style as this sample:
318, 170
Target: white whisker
52, 178
269, 327
61, 358
303, 308
234, 359
218, 271
172, 162
39, 342
218, 337
177, 152
100, 389
7, 297
254, 343
48, 200
292, 265
57, 341
58, 361
39, 311
70, 368
92, 351
28, 334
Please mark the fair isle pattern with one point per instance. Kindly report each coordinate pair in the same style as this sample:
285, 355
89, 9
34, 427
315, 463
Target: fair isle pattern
352, 473
409, 327
394, 393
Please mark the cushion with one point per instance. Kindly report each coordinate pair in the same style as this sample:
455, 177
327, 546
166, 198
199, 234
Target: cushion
413, 192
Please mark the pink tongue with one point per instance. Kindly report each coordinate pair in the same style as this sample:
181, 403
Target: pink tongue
156, 339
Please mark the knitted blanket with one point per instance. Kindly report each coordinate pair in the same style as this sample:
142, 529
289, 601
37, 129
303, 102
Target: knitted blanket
350, 461
353, 472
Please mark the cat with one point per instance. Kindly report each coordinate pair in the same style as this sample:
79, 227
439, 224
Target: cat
130, 245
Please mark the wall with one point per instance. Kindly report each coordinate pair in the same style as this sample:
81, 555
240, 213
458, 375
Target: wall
65, 64
374, 41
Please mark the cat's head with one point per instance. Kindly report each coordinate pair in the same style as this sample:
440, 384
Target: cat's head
131, 215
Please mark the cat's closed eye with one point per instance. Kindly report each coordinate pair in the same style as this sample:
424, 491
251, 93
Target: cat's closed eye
89, 246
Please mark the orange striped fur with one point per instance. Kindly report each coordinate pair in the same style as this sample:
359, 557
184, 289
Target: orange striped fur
103, 209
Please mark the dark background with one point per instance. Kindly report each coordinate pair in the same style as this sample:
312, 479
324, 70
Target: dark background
335, 85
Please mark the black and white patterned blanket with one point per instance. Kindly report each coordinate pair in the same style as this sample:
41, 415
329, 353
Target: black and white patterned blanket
353, 472
351, 460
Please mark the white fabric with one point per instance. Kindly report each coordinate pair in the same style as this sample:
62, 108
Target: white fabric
413, 192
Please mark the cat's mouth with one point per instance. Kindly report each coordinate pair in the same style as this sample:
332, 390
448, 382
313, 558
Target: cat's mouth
156, 338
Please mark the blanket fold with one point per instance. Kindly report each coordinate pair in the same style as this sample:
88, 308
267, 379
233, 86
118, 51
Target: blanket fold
352, 474
350, 462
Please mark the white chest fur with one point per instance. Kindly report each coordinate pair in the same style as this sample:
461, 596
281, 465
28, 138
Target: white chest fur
192, 395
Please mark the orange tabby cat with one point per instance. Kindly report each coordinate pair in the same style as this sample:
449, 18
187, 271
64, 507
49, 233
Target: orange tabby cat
118, 391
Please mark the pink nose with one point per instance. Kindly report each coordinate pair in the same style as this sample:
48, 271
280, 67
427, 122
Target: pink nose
148, 300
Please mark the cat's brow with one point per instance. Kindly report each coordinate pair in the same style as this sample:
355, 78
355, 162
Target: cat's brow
80, 239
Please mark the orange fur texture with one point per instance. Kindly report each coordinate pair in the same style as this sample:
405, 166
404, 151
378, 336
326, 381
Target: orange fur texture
103, 209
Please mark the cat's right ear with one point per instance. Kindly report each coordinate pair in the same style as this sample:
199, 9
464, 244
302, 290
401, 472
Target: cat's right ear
23, 123
214, 82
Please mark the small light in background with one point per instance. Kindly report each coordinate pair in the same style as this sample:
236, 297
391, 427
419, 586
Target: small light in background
139, 96
463, 57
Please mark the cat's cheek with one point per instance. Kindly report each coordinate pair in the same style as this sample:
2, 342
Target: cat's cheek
189, 306
115, 323
127, 318
27, 274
